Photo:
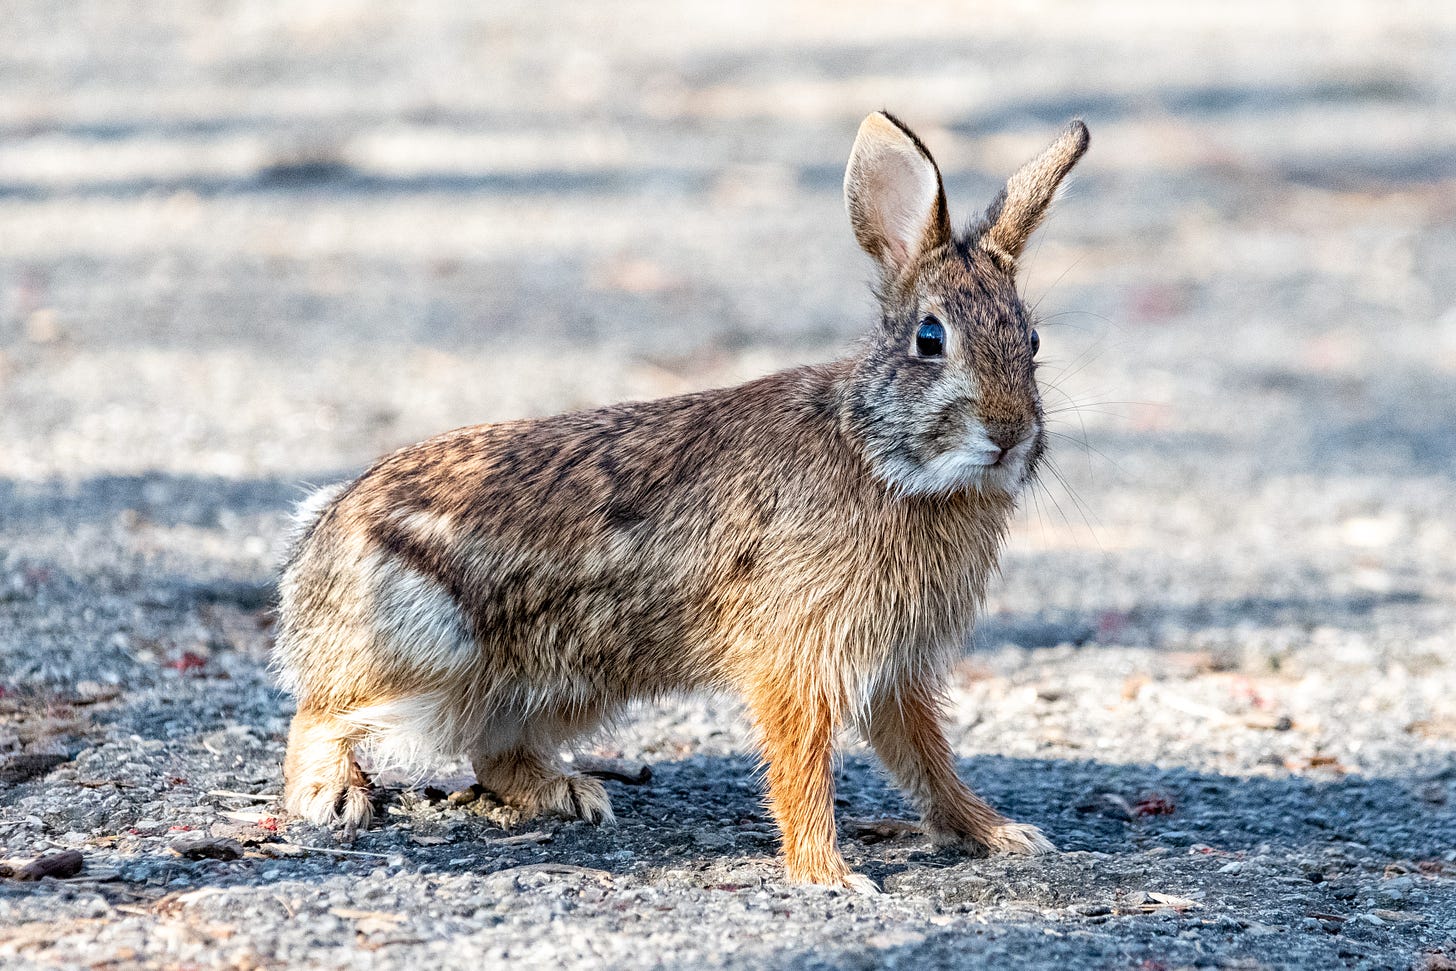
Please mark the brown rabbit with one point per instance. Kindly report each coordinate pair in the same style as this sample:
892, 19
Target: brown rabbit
817, 540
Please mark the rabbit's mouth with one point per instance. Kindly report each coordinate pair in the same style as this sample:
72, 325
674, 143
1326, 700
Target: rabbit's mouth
974, 463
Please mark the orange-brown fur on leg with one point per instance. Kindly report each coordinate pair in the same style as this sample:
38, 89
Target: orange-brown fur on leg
904, 727
797, 730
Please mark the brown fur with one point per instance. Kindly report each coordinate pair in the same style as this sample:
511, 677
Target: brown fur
500, 590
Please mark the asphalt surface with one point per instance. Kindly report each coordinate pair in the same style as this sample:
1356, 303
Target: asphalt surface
247, 247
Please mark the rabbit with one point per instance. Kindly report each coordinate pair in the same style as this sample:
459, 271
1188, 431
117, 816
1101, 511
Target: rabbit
818, 541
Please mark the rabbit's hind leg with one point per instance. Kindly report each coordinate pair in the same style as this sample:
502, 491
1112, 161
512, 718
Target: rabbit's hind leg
322, 782
523, 767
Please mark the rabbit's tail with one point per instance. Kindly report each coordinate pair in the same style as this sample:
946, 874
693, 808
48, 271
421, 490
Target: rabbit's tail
306, 516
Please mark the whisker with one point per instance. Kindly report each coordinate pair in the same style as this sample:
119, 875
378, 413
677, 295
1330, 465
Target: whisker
1077, 501
1058, 506
1081, 410
1075, 407
1093, 403
1088, 447
1081, 362
1072, 492
1025, 280
1040, 512
1043, 319
1057, 281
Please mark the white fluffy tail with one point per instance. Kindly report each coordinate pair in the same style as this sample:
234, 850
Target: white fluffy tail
306, 514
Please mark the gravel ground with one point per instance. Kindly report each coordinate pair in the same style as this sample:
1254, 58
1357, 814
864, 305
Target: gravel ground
245, 247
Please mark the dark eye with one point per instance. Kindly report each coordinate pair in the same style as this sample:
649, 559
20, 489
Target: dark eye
930, 338
1035, 343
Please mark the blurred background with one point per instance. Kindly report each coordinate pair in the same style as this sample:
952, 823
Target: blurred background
246, 246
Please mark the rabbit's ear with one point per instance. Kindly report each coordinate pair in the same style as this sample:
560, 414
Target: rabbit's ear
1021, 206
893, 193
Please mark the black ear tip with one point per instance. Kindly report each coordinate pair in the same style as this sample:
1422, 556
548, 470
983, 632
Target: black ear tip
885, 114
904, 129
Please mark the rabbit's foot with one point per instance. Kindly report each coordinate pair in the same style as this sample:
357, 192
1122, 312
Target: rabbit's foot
328, 804
534, 785
860, 884
853, 882
575, 797
835, 875
1019, 839
322, 782
1005, 837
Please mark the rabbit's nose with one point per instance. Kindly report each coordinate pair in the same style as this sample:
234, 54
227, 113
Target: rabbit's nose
1005, 437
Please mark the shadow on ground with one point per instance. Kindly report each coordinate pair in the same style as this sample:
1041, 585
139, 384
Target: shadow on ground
698, 827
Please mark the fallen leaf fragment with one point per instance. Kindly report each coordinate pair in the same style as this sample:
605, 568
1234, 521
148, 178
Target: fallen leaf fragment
58, 865
556, 869
23, 768
102, 783
1155, 804
1268, 721
247, 816
1108, 804
200, 846
1329, 763
640, 777
1399, 916
1164, 901
524, 838
879, 830
189, 661
1438, 727
1186, 706
245, 796
349, 913
95, 697
173, 903
369, 922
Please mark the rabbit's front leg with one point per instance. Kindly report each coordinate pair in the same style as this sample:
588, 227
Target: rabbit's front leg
797, 735
904, 727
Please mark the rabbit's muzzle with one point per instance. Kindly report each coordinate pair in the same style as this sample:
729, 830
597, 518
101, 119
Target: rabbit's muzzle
959, 451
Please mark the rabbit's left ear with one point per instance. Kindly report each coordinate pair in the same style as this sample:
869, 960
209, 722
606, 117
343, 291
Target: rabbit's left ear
893, 193
1023, 204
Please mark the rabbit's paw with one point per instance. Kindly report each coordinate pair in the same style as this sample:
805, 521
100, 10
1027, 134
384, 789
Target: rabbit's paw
328, 805
576, 797
834, 876
1018, 839
1012, 838
860, 884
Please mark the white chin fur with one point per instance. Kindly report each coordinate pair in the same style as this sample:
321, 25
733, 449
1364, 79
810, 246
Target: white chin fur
953, 471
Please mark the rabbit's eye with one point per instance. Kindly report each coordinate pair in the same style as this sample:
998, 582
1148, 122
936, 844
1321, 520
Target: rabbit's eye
1035, 343
930, 338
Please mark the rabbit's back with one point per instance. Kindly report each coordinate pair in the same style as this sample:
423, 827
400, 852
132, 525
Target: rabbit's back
572, 548
627, 551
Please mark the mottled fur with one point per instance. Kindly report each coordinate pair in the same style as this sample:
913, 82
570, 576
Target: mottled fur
816, 540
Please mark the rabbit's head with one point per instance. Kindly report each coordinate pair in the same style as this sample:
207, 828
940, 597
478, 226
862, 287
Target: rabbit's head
944, 396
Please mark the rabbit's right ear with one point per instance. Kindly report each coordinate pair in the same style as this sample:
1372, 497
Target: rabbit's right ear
1023, 204
893, 193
